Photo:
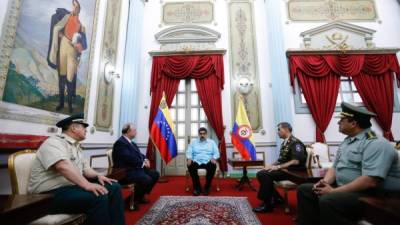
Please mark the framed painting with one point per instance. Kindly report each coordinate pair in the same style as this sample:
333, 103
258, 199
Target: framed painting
46, 59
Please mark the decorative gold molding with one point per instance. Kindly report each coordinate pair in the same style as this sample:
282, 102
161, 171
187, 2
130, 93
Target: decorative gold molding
290, 52
189, 52
7, 41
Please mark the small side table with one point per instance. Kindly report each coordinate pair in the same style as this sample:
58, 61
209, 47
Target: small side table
245, 163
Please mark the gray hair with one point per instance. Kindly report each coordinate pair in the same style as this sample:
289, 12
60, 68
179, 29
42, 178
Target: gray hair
126, 128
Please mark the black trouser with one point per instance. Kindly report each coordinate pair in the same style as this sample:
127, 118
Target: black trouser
266, 180
103, 209
210, 168
329, 209
144, 180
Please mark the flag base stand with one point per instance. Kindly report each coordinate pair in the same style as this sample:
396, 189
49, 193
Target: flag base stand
163, 178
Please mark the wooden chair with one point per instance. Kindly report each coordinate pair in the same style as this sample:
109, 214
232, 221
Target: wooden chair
19, 167
288, 185
131, 186
397, 146
321, 155
203, 172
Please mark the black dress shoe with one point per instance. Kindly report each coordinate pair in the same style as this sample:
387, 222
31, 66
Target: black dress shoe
206, 191
263, 208
196, 192
277, 201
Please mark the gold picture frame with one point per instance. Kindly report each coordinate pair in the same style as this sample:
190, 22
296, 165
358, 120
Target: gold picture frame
17, 15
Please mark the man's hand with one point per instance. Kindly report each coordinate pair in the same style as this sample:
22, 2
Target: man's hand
96, 189
147, 163
213, 161
323, 188
268, 167
272, 167
189, 162
319, 184
103, 179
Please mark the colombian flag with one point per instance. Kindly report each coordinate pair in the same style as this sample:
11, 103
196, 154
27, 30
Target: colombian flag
242, 134
162, 132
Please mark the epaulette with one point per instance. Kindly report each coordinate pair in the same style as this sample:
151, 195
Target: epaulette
293, 138
371, 135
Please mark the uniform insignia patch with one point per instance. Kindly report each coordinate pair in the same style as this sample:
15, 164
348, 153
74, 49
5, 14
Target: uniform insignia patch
298, 147
371, 135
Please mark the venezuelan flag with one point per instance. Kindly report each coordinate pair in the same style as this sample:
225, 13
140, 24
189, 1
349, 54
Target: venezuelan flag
162, 132
242, 134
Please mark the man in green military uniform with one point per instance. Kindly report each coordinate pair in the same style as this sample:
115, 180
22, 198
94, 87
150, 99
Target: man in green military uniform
60, 169
292, 155
362, 162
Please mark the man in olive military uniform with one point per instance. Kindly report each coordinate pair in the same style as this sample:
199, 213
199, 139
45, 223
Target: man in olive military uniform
362, 161
292, 155
60, 169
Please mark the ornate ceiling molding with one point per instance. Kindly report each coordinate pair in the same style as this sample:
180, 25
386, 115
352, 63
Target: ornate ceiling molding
187, 38
339, 37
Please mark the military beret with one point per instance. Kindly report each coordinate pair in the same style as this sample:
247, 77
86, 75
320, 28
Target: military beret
77, 118
358, 113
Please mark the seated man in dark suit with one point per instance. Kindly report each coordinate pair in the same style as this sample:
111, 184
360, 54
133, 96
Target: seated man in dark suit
126, 154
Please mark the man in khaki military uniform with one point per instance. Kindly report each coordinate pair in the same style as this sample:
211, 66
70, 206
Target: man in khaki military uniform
362, 161
292, 155
60, 169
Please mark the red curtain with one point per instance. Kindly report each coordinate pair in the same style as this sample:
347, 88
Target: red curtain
321, 106
319, 77
208, 71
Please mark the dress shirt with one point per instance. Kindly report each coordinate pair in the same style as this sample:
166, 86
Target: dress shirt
202, 151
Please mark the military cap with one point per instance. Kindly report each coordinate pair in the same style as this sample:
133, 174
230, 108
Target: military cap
77, 118
358, 113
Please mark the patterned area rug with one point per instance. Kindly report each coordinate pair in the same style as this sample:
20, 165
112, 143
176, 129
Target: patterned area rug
200, 210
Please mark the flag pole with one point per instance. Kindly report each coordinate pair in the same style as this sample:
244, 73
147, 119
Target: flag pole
163, 178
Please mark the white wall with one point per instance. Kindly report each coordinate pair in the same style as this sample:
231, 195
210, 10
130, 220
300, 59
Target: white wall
18, 127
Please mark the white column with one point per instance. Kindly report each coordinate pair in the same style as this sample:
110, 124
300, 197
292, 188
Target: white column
279, 69
129, 103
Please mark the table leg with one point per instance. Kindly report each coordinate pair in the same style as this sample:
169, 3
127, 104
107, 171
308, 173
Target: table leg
245, 180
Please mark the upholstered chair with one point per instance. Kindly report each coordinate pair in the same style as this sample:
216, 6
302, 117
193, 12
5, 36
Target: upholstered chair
288, 185
20, 166
130, 186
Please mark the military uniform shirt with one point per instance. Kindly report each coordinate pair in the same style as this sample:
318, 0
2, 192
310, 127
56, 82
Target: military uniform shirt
392, 181
60, 147
291, 149
363, 155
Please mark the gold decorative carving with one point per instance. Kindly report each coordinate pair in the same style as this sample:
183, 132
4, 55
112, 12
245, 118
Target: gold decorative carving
323, 10
338, 41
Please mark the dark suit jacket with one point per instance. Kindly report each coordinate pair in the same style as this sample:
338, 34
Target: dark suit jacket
127, 155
